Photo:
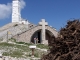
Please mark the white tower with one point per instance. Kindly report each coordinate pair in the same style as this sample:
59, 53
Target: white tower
16, 16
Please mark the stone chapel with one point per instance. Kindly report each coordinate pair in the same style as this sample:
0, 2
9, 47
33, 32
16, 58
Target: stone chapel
42, 31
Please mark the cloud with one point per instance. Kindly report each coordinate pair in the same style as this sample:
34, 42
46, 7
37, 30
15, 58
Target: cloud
22, 4
6, 9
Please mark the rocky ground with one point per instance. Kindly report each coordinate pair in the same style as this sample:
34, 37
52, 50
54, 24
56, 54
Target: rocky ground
14, 58
12, 29
21, 51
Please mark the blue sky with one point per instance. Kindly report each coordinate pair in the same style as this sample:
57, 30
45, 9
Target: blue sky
55, 12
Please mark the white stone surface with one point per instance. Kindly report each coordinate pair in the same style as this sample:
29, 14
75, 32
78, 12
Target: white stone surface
0, 54
32, 46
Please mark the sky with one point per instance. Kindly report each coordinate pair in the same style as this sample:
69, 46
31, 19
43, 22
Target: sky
55, 12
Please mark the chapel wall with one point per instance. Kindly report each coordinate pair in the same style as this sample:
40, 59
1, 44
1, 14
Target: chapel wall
26, 37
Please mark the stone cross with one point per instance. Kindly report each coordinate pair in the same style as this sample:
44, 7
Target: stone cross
43, 23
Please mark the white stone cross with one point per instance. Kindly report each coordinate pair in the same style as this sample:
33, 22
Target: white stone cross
43, 23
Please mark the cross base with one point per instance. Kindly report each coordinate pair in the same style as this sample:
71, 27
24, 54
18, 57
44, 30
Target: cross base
45, 42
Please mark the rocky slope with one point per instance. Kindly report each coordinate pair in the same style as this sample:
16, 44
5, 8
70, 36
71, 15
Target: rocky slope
11, 29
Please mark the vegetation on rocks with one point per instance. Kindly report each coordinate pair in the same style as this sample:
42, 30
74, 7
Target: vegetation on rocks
20, 49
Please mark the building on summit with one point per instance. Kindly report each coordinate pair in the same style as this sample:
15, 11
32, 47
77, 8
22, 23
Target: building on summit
16, 12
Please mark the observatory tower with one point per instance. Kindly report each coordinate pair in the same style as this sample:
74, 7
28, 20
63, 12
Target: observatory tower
16, 15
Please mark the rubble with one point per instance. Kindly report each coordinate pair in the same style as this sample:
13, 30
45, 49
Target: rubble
67, 45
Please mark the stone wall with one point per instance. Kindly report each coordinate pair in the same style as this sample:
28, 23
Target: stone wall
27, 35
